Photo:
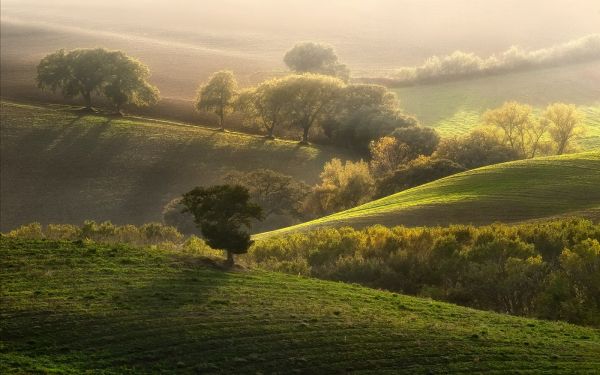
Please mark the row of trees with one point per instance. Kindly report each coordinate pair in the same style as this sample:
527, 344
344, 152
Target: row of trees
86, 72
349, 115
530, 135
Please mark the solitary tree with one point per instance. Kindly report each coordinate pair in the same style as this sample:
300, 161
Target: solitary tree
310, 57
127, 82
218, 96
81, 72
223, 213
309, 98
565, 124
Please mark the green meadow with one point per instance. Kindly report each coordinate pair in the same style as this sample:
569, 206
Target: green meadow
76, 307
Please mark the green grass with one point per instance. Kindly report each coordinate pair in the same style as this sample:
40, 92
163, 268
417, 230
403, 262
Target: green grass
455, 107
59, 166
74, 308
508, 192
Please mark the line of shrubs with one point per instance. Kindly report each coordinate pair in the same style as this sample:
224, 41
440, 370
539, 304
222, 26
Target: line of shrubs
547, 270
150, 234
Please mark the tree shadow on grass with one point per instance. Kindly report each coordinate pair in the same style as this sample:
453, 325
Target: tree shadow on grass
149, 325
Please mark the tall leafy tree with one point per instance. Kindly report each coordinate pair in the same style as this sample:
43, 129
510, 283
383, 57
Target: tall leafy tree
310, 57
80, 72
223, 213
309, 99
265, 104
127, 82
565, 123
218, 95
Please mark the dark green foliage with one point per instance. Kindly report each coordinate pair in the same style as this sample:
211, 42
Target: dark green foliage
548, 270
420, 140
222, 213
416, 172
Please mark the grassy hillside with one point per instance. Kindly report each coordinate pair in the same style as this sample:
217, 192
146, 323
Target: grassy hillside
508, 192
455, 107
72, 308
59, 166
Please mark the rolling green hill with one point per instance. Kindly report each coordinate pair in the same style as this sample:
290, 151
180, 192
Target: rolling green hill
455, 107
59, 166
70, 307
508, 192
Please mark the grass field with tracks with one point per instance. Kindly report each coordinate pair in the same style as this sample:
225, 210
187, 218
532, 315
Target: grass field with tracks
508, 192
58, 165
73, 308
455, 107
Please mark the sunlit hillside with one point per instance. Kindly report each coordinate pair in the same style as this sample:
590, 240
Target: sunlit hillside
508, 192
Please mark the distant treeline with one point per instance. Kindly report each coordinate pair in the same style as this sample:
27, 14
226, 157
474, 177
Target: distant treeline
461, 65
545, 270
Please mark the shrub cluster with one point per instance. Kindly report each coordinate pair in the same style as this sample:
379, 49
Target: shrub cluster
150, 234
546, 270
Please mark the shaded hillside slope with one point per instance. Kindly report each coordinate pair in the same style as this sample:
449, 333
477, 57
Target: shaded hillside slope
508, 192
72, 308
59, 166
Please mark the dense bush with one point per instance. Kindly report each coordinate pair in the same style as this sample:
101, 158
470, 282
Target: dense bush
547, 270
342, 186
417, 172
476, 149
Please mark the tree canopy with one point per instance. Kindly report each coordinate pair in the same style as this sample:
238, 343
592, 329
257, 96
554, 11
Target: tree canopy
223, 213
86, 72
310, 57
564, 122
127, 82
309, 99
218, 95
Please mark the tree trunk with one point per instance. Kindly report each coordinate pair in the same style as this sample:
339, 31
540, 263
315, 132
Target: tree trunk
88, 100
561, 147
229, 262
222, 121
270, 132
305, 136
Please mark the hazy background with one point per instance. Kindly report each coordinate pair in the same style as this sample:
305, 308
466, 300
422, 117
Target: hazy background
184, 41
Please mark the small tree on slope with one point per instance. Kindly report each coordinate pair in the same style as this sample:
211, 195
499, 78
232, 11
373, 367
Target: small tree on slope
223, 213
